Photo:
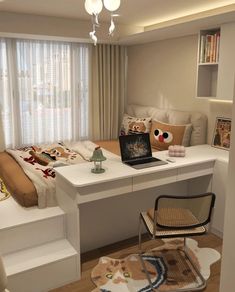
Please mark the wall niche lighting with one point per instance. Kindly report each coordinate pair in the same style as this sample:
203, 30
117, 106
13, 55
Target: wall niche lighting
94, 7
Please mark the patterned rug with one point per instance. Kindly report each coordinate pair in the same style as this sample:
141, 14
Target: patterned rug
4, 194
166, 265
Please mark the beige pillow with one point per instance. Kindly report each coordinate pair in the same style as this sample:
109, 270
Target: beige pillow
163, 135
133, 125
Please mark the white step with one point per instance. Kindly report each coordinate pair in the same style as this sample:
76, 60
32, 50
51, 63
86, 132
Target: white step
22, 228
41, 268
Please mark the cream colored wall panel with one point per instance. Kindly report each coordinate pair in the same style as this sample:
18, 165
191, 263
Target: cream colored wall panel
226, 73
219, 187
163, 74
228, 259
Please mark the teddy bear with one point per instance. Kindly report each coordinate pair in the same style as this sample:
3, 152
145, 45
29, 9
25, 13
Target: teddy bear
136, 127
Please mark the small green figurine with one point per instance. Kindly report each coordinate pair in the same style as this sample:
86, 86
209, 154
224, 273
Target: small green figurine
98, 157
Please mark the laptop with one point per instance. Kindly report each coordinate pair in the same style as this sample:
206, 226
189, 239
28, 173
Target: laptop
136, 151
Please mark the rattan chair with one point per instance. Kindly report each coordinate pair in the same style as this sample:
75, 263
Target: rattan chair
177, 216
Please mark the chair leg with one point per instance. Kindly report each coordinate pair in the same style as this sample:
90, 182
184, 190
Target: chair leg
140, 231
140, 255
185, 250
146, 273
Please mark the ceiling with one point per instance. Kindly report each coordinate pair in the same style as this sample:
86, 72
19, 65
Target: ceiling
132, 12
149, 15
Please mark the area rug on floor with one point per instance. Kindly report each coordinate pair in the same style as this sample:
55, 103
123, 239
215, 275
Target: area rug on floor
165, 264
4, 194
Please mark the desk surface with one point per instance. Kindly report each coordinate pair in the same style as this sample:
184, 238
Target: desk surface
80, 175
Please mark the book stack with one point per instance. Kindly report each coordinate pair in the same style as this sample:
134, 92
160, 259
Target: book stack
209, 47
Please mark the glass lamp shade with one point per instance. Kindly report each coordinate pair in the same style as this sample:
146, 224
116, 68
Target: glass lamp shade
93, 6
97, 157
112, 5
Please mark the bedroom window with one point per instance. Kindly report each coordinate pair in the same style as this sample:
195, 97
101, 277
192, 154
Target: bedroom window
43, 91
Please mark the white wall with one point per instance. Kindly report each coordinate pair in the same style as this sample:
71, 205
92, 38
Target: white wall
228, 260
163, 74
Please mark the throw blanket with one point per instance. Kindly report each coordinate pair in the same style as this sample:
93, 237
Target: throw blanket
38, 163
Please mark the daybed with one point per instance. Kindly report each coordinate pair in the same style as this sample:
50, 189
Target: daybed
26, 193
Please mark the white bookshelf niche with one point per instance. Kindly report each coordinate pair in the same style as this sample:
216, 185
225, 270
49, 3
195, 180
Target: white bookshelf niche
208, 63
216, 63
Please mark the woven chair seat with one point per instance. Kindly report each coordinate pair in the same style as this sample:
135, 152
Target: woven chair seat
161, 232
174, 217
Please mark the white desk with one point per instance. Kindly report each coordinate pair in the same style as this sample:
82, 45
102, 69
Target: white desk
76, 185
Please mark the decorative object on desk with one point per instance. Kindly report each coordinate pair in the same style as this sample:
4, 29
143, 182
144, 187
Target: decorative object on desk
222, 133
127, 274
4, 194
176, 151
98, 157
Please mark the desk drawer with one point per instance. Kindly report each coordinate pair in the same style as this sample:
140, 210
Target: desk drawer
103, 190
154, 179
196, 170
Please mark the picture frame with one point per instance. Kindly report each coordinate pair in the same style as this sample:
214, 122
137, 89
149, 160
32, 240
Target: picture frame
222, 133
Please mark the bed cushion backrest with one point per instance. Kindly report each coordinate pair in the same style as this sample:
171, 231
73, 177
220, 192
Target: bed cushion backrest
176, 117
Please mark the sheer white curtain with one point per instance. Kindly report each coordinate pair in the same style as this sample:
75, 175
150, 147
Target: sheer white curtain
50, 85
6, 95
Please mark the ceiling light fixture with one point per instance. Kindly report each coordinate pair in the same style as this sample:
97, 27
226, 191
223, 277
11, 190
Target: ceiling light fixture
94, 7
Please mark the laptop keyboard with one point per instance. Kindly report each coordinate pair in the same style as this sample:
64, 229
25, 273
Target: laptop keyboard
142, 161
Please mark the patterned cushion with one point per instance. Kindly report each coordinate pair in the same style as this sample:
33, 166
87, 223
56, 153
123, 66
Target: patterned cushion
132, 125
50, 154
4, 194
163, 135
175, 117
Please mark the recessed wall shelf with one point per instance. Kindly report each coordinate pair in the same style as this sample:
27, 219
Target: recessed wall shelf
208, 63
216, 63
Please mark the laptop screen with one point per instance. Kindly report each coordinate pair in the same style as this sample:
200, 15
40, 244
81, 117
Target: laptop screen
135, 146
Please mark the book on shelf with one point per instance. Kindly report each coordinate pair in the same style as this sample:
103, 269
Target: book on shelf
209, 48
217, 46
202, 48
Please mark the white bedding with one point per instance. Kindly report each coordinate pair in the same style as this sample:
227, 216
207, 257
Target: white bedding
38, 164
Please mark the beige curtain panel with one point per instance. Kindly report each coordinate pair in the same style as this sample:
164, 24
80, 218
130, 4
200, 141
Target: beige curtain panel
107, 90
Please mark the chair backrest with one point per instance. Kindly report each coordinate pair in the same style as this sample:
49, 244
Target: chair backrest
183, 211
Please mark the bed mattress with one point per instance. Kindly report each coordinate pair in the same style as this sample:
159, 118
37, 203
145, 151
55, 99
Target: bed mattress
19, 184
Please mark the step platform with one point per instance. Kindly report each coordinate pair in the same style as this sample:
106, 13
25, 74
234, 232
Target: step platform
36, 254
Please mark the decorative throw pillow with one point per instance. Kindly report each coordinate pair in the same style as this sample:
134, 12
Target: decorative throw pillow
132, 125
163, 135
